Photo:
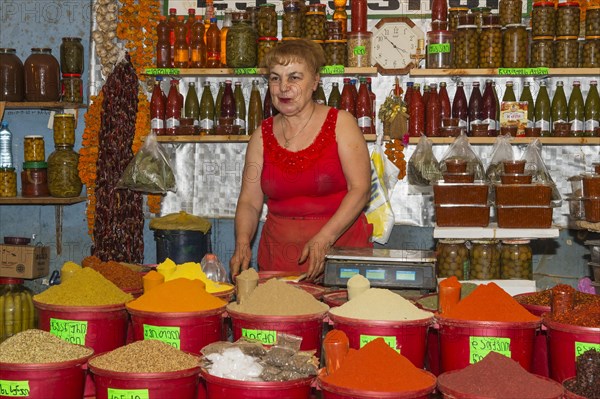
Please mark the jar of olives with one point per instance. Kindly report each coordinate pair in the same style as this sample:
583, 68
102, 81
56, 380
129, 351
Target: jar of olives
490, 47
514, 43
510, 12
291, 24
516, 260
314, 22
241, 42
63, 128
543, 18
359, 49
439, 49
485, 260
542, 52
567, 19
591, 52
267, 21
479, 13
452, 259
34, 148
8, 182
466, 19
265, 44
453, 13
63, 174
466, 47
566, 52
592, 21
335, 52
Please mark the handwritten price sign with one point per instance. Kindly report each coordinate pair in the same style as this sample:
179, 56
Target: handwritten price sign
14, 389
266, 337
128, 393
481, 346
73, 331
391, 341
581, 347
168, 335
162, 71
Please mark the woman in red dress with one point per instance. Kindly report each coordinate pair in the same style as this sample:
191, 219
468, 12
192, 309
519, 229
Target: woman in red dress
311, 163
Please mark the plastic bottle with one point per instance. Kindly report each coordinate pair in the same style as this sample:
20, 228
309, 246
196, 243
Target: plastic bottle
576, 110
592, 109
364, 112
475, 104
6, 158
228, 108
192, 106
157, 109
213, 268
240, 108
218, 102
207, 111
445, 108
182, 49
340, 14
542, 110
334, 96
489, 109
509, 94
347, 99
528, 98
213, 45
255, 112
190, 21
559, 105
319, 94
197, 46
224, 30
416, 112
172, 22
163, 44
173, 108
209, 14
460, 108
433, 119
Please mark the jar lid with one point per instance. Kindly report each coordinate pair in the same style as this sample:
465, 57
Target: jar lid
71, 75
515, 25
64, 116
359, 34
438, 32
34, 136
569, 4
290, 38
592, 37
467, 27
10, 280
7, 50
488, 242
336, 41
543, 38
478, 9
458, 9
566, 37
516, 242
35, 165
267, 39
490, 26
451, 241
71, 38
543, 4
7, 169
267, 5
318, 41
41, 49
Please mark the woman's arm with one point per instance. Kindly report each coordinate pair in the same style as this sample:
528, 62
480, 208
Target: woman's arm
249, 205
354, 156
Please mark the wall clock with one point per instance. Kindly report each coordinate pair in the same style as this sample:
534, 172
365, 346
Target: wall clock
394, 41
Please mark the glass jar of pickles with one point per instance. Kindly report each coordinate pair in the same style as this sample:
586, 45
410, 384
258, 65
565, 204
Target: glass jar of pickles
314, 22
241, 42
71, 88
490, 47
591, 52
265, 44
542, 52
592, 20
452, 259
291, 22
466, 47
335, 30
34, 179
484, 260
71, 55
566, 52
34, 149
567, 19
8, 182
516, 260
510, 12
335, 52
63, 128
267, 21
63, 174
514, 46
453, 13
543, 18
479, 13
17, 313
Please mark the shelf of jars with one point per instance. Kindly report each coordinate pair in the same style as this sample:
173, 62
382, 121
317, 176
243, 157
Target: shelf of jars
222, 139
43, 105
517, 140
330, 70
497, 72
40, 200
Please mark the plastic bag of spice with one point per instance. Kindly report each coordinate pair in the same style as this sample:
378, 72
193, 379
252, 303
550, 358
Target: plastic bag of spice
279, 356
215, 347
535, 165
461, 149
250, 348
149, 171
290, 341
423, 169
501, 151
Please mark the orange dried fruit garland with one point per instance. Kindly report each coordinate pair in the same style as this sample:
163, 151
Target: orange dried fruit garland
394, 150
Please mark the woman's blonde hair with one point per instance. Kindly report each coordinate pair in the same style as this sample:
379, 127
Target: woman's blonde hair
299, 50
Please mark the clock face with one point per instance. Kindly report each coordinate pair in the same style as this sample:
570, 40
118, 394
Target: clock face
393, 43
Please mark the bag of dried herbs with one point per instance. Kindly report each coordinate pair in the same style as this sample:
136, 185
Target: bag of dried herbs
423, 169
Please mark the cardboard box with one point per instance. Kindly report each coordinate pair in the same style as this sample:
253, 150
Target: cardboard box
24, 261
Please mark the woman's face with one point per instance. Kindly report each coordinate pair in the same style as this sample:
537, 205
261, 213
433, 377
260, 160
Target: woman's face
292, 87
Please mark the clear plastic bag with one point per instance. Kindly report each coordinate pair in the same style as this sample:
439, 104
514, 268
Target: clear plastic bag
502, 151
461, 149
423, 169
536, 166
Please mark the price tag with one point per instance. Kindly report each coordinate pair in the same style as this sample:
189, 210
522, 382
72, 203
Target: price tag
391, 341
267, 337
523, 71
481, 346
14, 389
359, 50
114, 393
332, 70
73, 331
438, 48
245, 71
581, 347
162, 71
168, 335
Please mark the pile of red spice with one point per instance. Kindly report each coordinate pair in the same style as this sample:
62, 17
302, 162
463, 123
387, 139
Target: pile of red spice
117, 273
585, 315
544, 298
489, 302
497, 376
377, 367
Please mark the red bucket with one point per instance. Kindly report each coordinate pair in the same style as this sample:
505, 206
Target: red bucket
410, 336
563, 339
458, 349
226, 295
309, 327
336, 298
569, 394
336, 392
63, 380
181, 384
225, 388
537, 310
187, 331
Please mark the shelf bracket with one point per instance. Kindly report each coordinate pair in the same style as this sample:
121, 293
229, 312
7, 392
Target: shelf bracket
58, 220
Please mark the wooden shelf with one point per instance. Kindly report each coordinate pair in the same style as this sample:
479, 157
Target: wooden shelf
518, 140
191, 72
219, 139
493, 232
40, 200
43, 105
495, 72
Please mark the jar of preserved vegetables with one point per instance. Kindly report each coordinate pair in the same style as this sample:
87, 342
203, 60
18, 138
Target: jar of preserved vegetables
452, 259
567, 19
466, 19
479, 13
439, 49
591, 52
63, 174
566, 52
510, 12
516, 260
314, 22
8, 182
359, 49
543, 18
241, 42
466, 47
335, 31
542, 52
252, 12
18, 313
453, 13
484, 260
34, 148
335, 52
291, 25
34, 179
42, 76
11, 75
514, 43
592, 20
72, 88
267, 21
490, 47
265, 44
63, 128
71, 55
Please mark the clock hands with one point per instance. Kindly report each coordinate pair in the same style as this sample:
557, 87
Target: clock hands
396, 47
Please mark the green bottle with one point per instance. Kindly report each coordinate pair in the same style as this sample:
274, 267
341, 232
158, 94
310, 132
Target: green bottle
240, 108
207, 111
528, 98
319, 94
559, 105
255, 111
192, 106
576, 111
542, 110
218, 101
509, 94
592, 110
334, 96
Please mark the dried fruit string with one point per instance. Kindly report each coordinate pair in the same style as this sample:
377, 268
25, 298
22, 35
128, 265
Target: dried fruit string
394, 149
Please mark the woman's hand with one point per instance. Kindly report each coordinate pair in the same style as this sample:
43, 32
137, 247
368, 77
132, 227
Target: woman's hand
240, 260
314, 252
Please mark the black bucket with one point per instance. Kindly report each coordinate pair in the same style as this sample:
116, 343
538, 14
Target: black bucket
181, 246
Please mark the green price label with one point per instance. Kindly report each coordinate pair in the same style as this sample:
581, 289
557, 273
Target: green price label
114, 393
162, 71
438, 48
245, 71
73, 331
266, 337
15, 389
168, 335
391, 341
481, 346
332, 70
523, 71
359, 50
581, 347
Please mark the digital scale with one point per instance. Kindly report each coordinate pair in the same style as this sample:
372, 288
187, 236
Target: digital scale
395, 269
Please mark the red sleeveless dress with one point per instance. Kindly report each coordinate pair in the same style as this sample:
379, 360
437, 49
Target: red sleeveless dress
303, 189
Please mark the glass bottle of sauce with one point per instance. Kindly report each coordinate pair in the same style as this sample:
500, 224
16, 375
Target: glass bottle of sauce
439, 10
475, 106
347, 102
374, 100
218, 102
528, 98
42, 76
163, 44
509, 93
425, 95
408, 94
363, 108
228, 109
172, 22
182, 49
319, 94
576, 110
334, 96
353, 88
358, 16
445, 108
416, 113
542, 110
559, 105
157, 109
240, 108
489, 108
224, 31
173, 108
592, 109
197, 46
268, 109
213, 45
192, 106
433, 120
340, 14
207, 111
460, 107
255, 112
11, 75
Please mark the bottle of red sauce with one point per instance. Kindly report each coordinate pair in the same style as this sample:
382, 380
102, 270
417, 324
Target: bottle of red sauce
489, 108
433, 118
364, 110
228, 108
157, 109
373, 103
446, 110
408, 94
460, 108
439, 10
173, 108
416, 112
163, 44
347, 101
475, 103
